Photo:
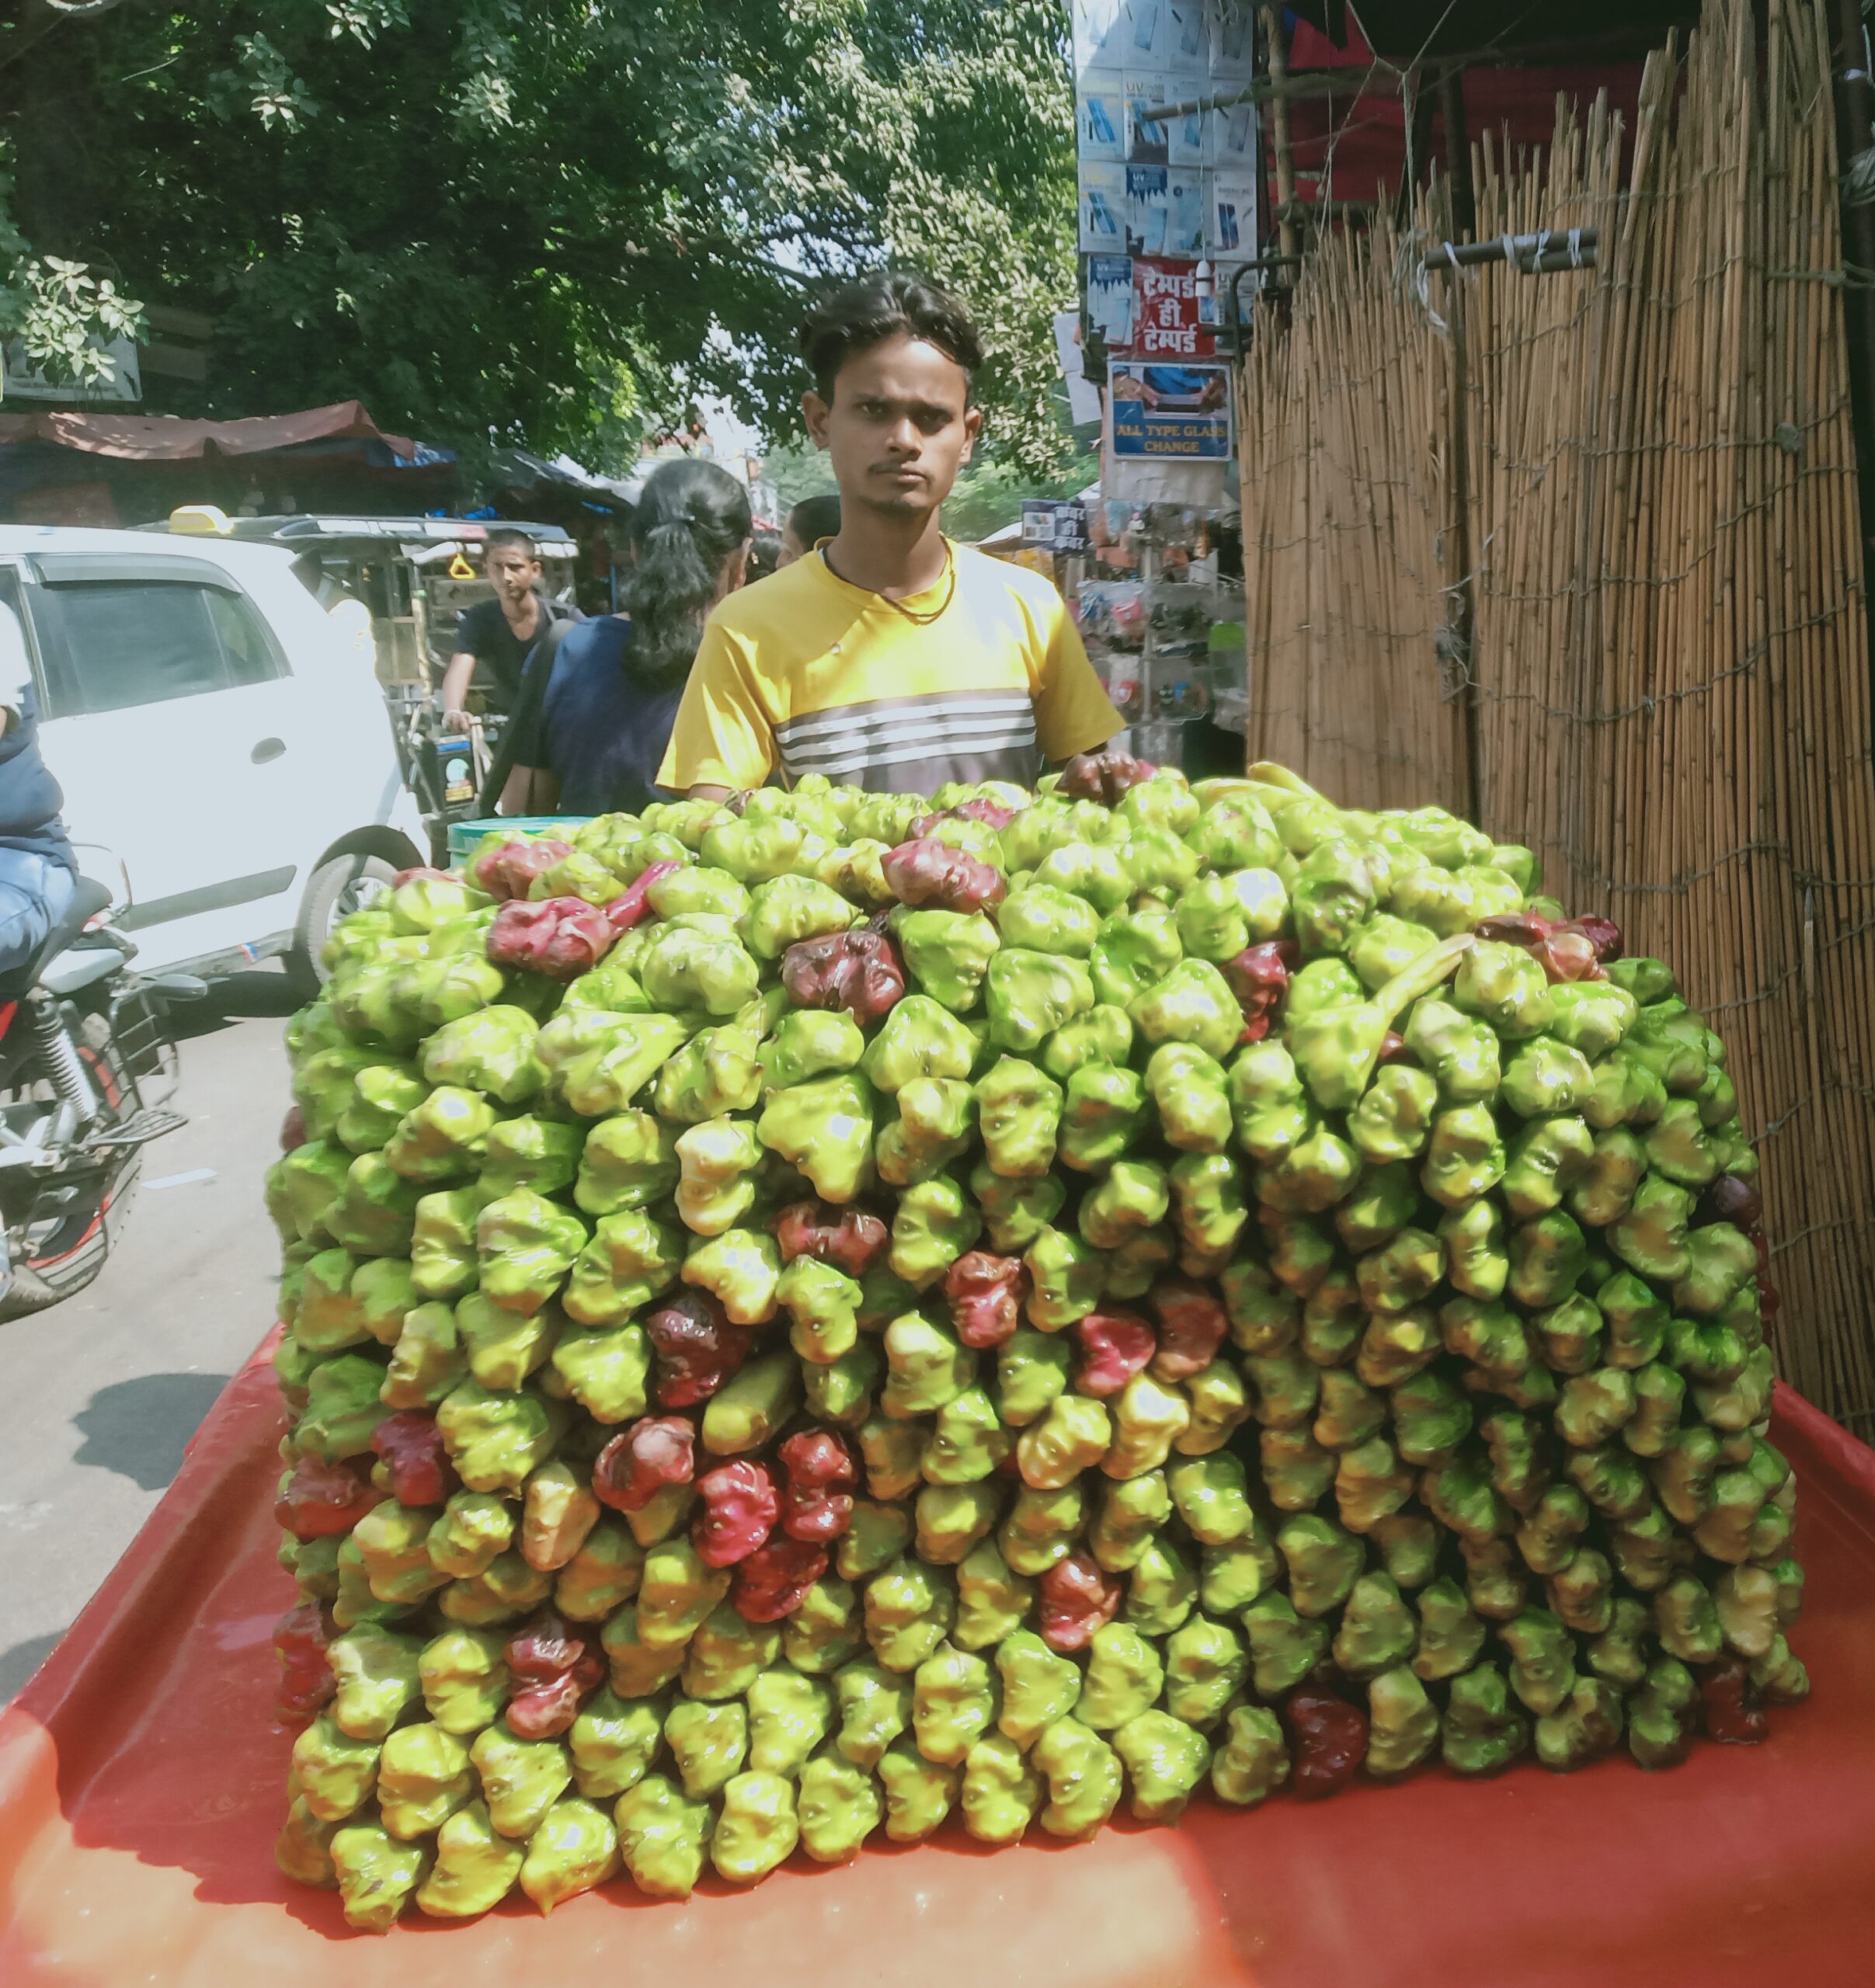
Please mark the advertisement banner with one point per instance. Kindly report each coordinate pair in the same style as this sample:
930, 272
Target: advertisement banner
1161, 188
1149, 140
1177, 412
1159, 196
1184, 214
1084, 396
1171, 320
1149, 209
1103, 208
1112, 301
1100, 32
1102, 114
1231, 220
1057, 525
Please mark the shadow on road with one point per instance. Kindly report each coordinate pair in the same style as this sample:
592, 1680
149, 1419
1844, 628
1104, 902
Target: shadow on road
19, 1663
261, 990
140, 1428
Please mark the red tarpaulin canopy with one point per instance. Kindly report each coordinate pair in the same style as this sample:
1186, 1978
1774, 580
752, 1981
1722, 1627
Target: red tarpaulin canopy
141, 1781
149, 438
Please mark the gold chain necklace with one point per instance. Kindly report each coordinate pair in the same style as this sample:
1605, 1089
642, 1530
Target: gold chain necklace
917, 620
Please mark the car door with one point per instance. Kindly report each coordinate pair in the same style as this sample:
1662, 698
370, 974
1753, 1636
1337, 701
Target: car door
171, 719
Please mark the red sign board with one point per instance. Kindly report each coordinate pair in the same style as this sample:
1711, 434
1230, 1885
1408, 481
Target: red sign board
1169, 320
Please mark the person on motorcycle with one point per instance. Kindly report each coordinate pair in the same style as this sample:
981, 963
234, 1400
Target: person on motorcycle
37, 870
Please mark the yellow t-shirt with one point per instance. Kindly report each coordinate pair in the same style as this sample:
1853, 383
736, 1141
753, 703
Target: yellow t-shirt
802, 673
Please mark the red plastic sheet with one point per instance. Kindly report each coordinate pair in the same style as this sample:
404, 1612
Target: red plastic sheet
1353, 148
139, 1792
151, 439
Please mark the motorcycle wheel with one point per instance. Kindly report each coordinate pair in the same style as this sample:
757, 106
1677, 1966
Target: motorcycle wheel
67, 1250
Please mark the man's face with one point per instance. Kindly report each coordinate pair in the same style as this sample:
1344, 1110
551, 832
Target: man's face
791, 548
513, 573
898, 427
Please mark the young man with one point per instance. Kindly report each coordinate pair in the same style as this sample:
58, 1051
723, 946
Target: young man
495, 637
890, 658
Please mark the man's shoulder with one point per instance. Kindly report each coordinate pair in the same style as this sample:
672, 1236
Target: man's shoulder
983, 577
757, 610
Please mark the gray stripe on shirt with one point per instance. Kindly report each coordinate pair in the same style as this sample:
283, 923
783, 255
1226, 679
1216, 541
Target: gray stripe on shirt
915, 744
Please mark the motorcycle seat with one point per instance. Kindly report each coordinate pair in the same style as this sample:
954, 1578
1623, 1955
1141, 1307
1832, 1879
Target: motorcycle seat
87, 899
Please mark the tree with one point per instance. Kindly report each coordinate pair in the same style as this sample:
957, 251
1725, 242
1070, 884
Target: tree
62, 314
498, 222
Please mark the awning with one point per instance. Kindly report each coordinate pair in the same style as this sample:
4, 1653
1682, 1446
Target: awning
516, 469
149, 438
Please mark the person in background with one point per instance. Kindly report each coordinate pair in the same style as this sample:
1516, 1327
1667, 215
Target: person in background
813, 519
604, 719
696, 438
37, 869
766, 552
495, 637
764, 499
889, 659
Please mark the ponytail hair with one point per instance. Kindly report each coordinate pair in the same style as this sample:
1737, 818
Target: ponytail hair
692, 519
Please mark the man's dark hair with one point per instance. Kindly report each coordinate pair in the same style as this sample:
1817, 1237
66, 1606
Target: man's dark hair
814, 519
507, 535
861, 314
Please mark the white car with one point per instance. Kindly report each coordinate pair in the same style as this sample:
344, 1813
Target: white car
224, 745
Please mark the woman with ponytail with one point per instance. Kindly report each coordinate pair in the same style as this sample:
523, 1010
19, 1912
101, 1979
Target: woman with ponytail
591, 737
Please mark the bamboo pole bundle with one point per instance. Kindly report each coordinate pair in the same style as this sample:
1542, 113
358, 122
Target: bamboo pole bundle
1670, 641
1341, 469
1824, 1238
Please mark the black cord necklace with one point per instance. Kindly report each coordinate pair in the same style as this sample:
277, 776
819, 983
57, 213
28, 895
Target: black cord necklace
916, 619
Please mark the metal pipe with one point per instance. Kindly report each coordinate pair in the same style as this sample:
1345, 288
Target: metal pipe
1549, 248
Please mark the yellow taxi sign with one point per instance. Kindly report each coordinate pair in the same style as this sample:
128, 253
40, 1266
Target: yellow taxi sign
200, 521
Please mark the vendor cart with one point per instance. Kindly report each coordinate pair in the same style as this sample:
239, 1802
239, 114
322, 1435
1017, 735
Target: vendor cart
140, 1793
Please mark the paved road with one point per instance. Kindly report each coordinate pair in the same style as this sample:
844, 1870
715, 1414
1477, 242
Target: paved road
102, 1393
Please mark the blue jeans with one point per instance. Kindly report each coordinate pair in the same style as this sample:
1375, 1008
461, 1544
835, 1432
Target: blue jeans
34, 891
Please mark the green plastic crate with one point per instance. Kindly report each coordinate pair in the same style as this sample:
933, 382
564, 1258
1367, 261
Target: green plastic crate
464, 836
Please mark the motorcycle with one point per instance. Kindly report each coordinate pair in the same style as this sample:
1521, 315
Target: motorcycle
86, 1070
